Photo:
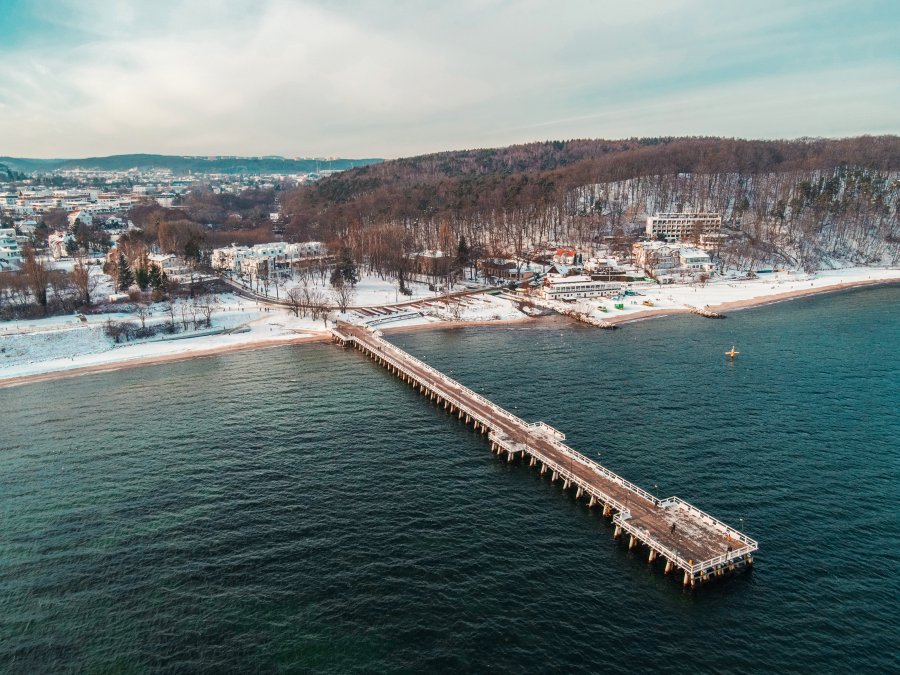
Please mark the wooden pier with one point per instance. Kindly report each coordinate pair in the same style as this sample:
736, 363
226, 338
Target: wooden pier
680, 536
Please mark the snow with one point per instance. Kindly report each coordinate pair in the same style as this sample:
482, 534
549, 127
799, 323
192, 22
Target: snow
62, 343
724, 290
369, 290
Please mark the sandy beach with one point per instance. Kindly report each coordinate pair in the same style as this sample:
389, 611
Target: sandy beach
734, 305
283, 332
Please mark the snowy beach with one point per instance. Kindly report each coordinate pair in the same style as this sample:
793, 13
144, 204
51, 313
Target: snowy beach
65, 346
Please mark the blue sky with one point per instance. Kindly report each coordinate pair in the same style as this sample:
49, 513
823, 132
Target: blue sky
378, 78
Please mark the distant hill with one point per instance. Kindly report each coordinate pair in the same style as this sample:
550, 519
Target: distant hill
186, 164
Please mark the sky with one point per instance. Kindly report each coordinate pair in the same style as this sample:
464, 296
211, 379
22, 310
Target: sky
383, 78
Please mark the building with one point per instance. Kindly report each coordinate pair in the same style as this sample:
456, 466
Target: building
664, 259
265, 258
694, 260
557, 287
10, 253
169, 264
58, 242
566, 256
689, 226
84, 217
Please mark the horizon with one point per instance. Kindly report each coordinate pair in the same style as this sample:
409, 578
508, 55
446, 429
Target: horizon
308, 79
218, 156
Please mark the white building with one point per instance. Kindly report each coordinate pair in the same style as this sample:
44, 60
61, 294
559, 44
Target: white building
264, 257
694, 259
557, 287
169, 264
673, 226
665, 259
57, 242
84, 216
10, 253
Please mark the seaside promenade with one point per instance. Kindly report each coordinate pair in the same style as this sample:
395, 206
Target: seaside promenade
679, 535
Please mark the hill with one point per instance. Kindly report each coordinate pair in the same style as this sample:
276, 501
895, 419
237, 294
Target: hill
806, 201
184, 164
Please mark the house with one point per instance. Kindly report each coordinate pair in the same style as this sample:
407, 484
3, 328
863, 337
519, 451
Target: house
566, 256
59, 243
84, 217
168, 263
660, 258
695, 260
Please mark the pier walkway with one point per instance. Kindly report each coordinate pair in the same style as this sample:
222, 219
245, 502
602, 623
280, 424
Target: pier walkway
681, 536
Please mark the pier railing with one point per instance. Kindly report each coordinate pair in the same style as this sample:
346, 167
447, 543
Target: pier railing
455, 392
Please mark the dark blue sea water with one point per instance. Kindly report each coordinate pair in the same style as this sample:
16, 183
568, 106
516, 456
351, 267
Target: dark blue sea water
297, 509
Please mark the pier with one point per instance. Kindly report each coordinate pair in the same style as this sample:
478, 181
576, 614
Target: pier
682, 538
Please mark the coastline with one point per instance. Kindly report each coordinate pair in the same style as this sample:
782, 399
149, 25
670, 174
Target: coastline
215, 350
760, 301
140, 361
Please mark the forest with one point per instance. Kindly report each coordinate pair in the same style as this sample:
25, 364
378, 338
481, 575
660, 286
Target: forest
809, 202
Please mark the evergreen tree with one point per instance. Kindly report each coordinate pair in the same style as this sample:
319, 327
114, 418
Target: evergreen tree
345, 269
155, 278
142, 277
462, 255
125, 275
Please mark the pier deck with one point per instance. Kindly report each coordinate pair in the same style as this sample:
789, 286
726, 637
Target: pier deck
699, 545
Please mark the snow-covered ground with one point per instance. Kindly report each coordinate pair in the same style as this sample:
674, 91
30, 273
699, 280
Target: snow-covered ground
369, 290
65, 343
722, 291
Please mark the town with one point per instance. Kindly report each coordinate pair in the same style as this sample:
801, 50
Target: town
78, 250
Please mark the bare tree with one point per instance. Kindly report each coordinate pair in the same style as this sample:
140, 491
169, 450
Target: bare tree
343, 294
142, 311
206, 307
316, 302
184, 314
295, 300
85, 282
169, 310
37, 274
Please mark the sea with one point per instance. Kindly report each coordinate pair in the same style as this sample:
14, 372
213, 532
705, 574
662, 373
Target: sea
297, 509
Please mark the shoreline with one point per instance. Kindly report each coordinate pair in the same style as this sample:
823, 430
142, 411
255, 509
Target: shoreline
140, 361
761, 301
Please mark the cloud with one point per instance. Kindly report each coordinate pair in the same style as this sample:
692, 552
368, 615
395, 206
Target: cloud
372, 78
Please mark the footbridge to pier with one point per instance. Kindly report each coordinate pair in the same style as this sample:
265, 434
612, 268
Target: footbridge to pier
680, 536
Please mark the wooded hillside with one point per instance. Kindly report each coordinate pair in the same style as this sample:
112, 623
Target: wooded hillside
788, 193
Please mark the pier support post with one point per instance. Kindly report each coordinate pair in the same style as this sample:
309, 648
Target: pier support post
579, 492
533, 461
553, 477
668, 567
566, 484
652, 556
687, 578
509, 456
592, 502
617, 532
632, 542
543, 469
607, 510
